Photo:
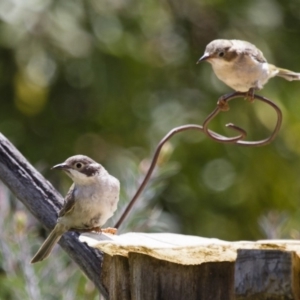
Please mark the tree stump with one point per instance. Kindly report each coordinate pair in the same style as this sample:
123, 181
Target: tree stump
172, 266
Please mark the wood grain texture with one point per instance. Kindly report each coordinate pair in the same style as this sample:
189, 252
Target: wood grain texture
151, 278
116, 277
267, 274
263, 274
44, 202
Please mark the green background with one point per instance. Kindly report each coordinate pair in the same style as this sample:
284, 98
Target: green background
109, 79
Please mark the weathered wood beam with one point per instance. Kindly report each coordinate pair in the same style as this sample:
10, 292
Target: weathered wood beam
43, 201
160, 266
152, 278
115, 277
144, 277
267, 274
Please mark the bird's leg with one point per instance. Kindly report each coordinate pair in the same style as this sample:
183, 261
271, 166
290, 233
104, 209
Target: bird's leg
95, 229
250, 95
82, 230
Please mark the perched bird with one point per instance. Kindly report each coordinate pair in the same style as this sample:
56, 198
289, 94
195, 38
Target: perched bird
90, 202
242, 66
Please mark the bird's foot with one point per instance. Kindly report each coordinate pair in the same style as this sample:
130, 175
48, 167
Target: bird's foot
109, 230
222, 104
95, 229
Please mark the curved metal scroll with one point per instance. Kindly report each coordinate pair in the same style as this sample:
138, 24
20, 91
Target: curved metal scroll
239, 139
222, 105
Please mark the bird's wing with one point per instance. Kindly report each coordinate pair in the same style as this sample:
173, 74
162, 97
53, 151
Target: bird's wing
256, 54
68, 203
249, 49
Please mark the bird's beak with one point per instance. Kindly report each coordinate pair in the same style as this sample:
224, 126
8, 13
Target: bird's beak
62, 166
204, 57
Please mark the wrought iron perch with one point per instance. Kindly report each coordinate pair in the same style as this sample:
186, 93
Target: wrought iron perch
222, 106
239, 139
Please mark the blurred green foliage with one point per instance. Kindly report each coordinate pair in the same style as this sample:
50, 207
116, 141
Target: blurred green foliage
110, 78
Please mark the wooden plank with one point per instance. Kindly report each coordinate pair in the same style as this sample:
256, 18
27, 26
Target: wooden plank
115, 277
151, 278
267, 274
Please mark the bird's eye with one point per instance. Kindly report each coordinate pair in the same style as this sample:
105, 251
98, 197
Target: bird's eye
221, 54
78, 165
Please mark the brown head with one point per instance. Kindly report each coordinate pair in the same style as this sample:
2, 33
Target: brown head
229, 50
219, 49
80, 168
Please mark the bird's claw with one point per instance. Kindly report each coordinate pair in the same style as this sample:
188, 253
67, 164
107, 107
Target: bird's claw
222, 104
109, 230
249, 96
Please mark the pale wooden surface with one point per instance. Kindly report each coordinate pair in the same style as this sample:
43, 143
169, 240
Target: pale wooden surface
179, 248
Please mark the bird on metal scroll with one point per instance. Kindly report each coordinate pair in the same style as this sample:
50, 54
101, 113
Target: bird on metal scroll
242, 66
90, 202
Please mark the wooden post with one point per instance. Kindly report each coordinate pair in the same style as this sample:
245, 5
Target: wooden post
151, 278
267, 274
115, 277
147, 266
255, 275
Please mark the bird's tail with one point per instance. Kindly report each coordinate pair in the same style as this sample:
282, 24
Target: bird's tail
288, 75
49, 243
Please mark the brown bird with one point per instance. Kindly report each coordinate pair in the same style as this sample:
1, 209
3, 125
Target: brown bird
241, 65
90, 202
